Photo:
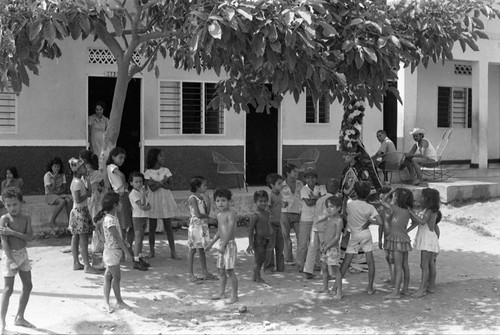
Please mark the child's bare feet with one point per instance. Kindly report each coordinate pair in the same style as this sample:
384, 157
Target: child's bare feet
405, 292
21, 322
431, 290
78, 267
260, 281
231, 301
370, 291
122, 305
92, 271
392, 296
108, 309
150, 255
337, 297
323, 290
218, 296
419, 294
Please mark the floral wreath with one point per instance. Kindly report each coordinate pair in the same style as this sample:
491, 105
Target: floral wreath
350, 131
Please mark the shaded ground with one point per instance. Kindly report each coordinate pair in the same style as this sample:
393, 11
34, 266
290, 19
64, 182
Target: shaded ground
467, 298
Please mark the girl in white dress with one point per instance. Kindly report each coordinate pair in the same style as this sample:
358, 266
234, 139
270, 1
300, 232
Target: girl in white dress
426, 240
163, 205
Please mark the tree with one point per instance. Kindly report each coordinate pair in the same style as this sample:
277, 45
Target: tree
340, 49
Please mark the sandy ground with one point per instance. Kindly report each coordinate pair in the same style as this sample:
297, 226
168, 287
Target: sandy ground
467, 298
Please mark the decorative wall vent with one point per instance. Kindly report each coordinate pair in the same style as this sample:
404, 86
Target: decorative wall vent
104, 56
464, 69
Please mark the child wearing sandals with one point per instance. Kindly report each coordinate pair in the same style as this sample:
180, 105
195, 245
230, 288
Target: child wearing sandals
426, 240
397, 240
198, 234
114, 248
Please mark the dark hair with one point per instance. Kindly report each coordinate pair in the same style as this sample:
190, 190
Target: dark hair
223, 193
260, 194
12, 170
152, 158
333, 185
113, 153
404, 198
272, 178
56, 161
135, 174
287, 168
439, 216
431, 199
89, 158
362, 189
381, 131
335, 201
384, 190
109, 201
100, 103
12, 192
196, 182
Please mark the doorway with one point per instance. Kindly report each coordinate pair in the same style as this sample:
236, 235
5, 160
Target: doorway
261, 145
102, 89
390, 112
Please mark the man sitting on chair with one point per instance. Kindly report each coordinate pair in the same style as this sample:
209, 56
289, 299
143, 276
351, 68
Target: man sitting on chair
422, 152
383, 155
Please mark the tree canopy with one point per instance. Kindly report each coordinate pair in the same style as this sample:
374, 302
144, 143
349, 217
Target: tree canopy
339, 49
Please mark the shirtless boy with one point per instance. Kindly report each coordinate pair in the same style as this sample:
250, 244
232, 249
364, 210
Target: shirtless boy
226, 258
258, 233
15, 230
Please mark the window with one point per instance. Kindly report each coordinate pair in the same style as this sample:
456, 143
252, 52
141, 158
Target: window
454, 107
7, 112
319, 113
184, 109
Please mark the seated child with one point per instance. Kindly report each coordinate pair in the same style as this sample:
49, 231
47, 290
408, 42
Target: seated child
226, 259
258, 233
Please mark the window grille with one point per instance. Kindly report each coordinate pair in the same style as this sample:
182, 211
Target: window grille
319, 113
454, 107
463, 69
104, 56
7, 112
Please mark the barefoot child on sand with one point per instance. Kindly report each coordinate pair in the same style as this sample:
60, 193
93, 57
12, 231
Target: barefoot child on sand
258, 233
140, 209
427, 240
397, 241
226, 258
329, 233
15, 230
114, 247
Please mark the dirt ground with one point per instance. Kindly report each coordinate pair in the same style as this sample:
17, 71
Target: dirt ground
467, 299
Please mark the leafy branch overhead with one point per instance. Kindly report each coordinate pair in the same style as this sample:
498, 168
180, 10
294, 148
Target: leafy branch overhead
341, 49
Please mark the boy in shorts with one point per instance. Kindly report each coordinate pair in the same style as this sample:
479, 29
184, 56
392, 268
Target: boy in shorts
226, 258
15, 230
360, 215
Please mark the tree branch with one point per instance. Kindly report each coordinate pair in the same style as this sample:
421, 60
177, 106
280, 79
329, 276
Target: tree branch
136, 69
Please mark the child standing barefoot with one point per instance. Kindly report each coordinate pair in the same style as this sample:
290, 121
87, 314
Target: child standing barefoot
15, 230
398, 240
427, 240
163, 205
80, 221
198, 234
114, 247
258, 233
140, 209
276, 242
226, 259
329, 237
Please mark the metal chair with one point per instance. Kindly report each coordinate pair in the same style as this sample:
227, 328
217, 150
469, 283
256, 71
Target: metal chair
395, 165
306, 160
434, 169
225, 166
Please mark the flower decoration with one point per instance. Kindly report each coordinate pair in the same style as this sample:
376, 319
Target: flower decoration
352, 122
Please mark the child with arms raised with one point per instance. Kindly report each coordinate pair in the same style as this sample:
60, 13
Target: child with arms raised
198, 233
276, 242
226, 258
360, 215
114, 248
397, 240
330, 232
15, 230
258, 233
426, 240
140, 208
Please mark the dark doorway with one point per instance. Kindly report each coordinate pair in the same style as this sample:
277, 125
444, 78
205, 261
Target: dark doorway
261, 145
391, 114
102, 88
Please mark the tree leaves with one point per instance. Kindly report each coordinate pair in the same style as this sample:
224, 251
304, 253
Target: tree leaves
49, 32
215, 30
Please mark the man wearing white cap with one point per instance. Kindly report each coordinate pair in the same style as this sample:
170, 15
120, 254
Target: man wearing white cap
422, 152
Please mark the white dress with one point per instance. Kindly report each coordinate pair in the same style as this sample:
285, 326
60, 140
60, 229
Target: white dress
163, 205
425, 239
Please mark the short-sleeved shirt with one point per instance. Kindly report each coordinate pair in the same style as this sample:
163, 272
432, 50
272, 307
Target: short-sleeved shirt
358, 213
275, 203
308, 211
58, 180
77, 185
319, 211
386, 147
137, 212
116, 182
292, 199
110, 241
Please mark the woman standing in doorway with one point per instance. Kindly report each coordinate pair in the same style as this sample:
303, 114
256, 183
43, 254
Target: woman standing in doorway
98, 124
